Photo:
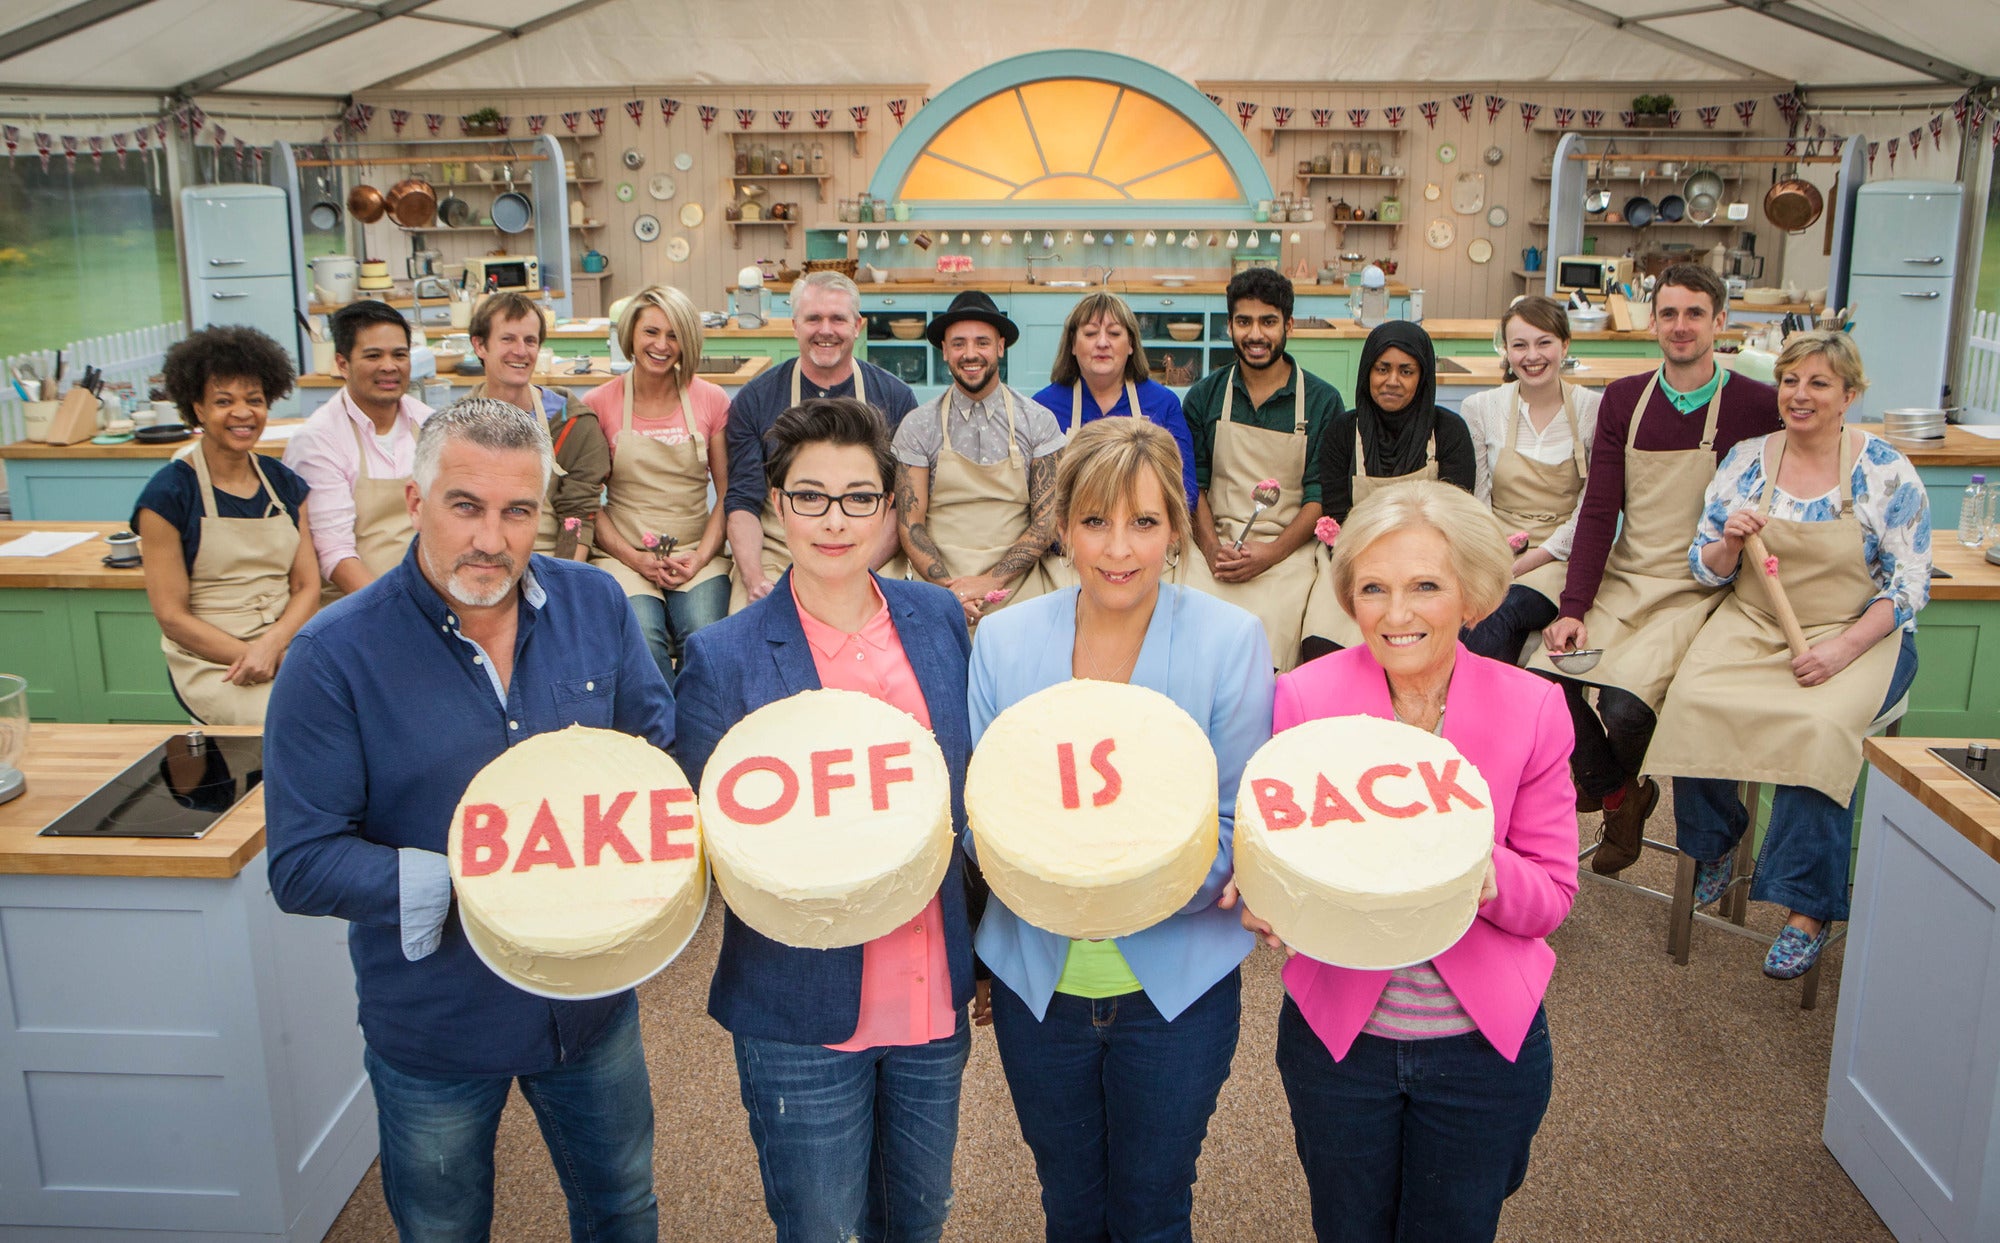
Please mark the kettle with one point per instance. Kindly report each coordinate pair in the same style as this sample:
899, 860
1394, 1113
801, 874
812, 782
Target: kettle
593, 261
1531, 259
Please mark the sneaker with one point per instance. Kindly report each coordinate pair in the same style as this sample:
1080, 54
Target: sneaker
1712, 877
1625, 828
1794, 953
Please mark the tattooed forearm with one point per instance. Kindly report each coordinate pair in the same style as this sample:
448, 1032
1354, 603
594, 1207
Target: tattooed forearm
1028, 549
912, 508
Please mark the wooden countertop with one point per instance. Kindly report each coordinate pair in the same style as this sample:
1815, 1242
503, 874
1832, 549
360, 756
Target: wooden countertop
777, 329
35, 449
75, 569
1480, 371
598, 374
1953, 796
66, 762
398, 297
1973, 577
1958, 448
1303, 288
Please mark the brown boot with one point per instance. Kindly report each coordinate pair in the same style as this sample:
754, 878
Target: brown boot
1587, 804
1625, 828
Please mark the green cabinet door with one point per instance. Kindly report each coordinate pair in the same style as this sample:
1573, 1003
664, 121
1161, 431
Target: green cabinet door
120, 671
35, 643
1332, 360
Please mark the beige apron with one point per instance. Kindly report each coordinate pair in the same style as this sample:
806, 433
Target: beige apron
661, 488
1538, 497
1649, 606
1244, 455
776, 557
240, 584
1059, 570
547, 531
1734, 710
977, 512
1325, 618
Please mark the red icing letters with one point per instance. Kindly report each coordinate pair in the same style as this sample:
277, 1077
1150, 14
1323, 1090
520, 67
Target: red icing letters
666, 821
788, 794
1442, 788
826, 781
545, 843
1366, 788
1276, 805
1100, 761
482, 840
1330, 804
880, 775
600, 829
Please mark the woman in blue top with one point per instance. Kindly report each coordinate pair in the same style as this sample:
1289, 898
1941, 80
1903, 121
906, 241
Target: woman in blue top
1116, 1050
230, 568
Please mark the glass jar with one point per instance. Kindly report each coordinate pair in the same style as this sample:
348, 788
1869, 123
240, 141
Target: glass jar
586, 166
742, 161
798, 159
1263, 212
1323, 163
1355, 159
865, 206
759, 159
818, 160
902, 210
881, 210
1371, 163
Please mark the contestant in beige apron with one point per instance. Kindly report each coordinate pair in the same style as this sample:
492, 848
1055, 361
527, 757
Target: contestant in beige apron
1538, 497
382, 529
1734, 710
240, 584
660, 489
977, 512
1649, 607
1325, 618
1244, 456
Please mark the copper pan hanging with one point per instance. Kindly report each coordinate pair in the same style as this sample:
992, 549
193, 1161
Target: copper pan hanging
365, 203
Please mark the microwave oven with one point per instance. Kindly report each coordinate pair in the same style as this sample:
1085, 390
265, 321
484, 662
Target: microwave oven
1592, 273
518, 273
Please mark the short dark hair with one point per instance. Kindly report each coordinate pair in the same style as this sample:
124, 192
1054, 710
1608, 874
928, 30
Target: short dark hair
228, 353
827, 420
1698, 279
349, 320
1266, 285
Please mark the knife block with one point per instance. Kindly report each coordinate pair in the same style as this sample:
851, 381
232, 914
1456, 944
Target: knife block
75, 420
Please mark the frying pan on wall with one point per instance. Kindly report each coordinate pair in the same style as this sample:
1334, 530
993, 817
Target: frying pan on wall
1793, 204
1672, 208
1640, 211
365, 203
412, 203
454, 212
324, 214
512, 212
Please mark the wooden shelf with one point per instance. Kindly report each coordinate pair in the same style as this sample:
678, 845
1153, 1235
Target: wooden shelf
1366, 224
819, 180
1685, 131
588, 228
1271, 132
736, 228
590, 276
1676, 179
854, 136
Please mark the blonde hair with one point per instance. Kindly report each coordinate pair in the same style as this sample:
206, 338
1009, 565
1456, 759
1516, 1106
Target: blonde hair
1091, 307
682, 318
1837, 348
1104, 463
1480, 556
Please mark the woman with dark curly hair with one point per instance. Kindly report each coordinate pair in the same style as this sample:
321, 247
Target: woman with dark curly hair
230, 568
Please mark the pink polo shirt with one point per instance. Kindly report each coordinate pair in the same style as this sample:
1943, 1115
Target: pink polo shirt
905, 980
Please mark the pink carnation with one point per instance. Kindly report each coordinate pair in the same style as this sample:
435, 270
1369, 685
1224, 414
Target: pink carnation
1326, 530
1268, 485
1771, 566
572, 523
996, 596
1518, 541
650, 540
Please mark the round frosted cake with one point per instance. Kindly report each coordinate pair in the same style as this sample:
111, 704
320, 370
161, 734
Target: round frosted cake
1363, 842
1093, 808
827, 818
577, 861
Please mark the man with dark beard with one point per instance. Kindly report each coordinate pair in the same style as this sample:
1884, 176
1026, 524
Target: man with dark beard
384, 711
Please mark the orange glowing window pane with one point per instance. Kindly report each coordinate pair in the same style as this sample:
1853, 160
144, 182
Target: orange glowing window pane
1070, 139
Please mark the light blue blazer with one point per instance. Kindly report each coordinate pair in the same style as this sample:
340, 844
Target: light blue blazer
1212, 659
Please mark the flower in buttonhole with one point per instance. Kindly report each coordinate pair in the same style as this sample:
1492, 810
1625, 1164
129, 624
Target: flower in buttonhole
1268, 485
996, 596
1518, 541
1771, 566
1326, 530
572, 523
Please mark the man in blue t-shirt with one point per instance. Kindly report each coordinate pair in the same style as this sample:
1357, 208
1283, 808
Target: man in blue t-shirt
826, 318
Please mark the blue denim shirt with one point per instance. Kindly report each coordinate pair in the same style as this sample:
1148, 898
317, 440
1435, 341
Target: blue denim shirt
381, 715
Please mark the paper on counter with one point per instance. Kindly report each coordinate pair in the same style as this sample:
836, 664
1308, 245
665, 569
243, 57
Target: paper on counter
279, 431
1986, 431
45, 543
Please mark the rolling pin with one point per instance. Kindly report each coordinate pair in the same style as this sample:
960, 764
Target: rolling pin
1795, 637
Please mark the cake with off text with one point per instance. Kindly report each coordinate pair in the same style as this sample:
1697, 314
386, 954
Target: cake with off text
576, 858
1093, 808
1363, 842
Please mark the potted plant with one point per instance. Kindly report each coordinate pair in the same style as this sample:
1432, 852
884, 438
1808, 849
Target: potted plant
484, 123
1651, 110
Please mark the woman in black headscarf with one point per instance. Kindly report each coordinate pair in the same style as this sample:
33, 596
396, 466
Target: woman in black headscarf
1394, 431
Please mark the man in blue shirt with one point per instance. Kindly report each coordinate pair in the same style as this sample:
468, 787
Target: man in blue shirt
385, 708
826, 319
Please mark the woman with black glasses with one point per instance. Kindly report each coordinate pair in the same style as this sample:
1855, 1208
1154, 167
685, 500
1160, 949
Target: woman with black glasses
867, 1043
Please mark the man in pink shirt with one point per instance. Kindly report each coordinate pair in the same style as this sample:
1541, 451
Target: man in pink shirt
356, 450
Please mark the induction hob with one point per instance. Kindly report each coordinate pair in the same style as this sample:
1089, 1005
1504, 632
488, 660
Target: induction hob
178, 789
1981, 767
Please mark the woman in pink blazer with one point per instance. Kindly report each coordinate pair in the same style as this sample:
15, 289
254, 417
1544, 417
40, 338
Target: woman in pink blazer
1415, 1094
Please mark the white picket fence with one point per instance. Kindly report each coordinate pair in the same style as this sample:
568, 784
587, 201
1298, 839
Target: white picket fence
127, 356
1980, 391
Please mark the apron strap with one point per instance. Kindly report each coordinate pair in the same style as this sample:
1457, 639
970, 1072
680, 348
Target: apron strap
626, 415
1714, 411
860, 385
1774, 445
1639, 411
360, 451
944, 423
1646, 399
1228, 394
1576, 445
1298, 400
273, 508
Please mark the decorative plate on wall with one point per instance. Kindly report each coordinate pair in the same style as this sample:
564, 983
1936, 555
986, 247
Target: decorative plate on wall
624, 191
633, 159
1446, 153
684, 162
646, 228
691, 216
1439, 234
1496, 216
1431, 192
661, 187
1480, 250
677, 249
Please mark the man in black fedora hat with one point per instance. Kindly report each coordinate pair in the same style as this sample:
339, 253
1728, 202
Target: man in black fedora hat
976, 469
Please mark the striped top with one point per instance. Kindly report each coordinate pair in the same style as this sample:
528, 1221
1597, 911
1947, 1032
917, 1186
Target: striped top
1417, 1004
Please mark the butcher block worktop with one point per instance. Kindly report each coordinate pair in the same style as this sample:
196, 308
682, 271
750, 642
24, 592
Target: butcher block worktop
65, 763
1951, 795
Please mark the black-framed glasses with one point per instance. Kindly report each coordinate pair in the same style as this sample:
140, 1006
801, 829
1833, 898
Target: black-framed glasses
808, 503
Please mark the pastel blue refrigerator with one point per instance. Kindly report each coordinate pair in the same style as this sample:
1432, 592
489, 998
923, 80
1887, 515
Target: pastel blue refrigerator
1902, 277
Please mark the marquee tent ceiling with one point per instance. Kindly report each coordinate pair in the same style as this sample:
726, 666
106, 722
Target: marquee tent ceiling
334, 48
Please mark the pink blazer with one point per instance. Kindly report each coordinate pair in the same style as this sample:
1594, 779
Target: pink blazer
1514, 728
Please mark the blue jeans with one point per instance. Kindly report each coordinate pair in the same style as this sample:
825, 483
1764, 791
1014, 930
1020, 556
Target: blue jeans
1803, 866
854, 1145
596, 1115
1412, 1141
1114, 1101
667, 623
1501, 636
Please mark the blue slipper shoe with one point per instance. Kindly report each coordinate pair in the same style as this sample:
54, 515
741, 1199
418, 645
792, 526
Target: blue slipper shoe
1794, 953
1712, 877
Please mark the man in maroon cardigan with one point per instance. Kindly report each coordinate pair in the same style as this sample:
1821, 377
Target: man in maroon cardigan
1689, 307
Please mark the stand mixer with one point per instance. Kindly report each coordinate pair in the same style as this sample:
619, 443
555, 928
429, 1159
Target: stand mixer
13, 735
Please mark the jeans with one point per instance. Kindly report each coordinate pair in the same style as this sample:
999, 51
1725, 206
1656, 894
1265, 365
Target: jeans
667, 623
1611, 741
1415, 1141
596, 1115
1523, 613
1803, 866
854, 1145
1114, 1101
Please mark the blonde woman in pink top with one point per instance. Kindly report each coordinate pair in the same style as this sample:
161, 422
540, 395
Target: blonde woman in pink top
1416, 1094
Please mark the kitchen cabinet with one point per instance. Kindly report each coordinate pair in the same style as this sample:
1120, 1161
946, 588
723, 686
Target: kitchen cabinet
1900, 284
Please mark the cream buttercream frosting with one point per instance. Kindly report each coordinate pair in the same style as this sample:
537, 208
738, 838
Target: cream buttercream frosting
827, 818
1363, 842
1093, 808
576, 858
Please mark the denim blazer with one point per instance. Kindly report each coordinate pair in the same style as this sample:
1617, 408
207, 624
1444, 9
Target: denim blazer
1212, 659
757, 657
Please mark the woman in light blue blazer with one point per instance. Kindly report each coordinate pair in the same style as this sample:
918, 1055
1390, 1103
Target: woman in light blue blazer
1116, 1050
